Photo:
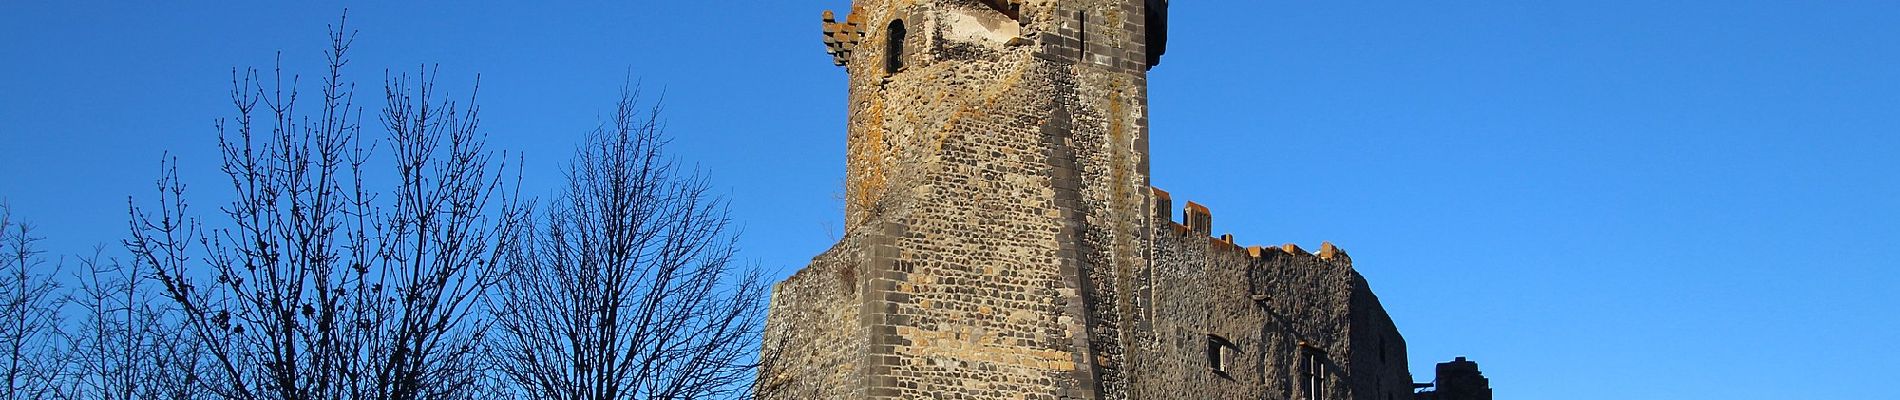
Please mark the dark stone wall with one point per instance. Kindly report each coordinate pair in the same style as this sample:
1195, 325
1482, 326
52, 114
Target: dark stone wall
1458, 379
1377, 357
1280, 307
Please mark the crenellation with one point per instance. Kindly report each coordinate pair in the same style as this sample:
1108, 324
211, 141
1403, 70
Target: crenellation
1162, 203
1198, 218
841, 38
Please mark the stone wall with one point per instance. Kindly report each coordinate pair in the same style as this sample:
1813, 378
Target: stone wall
1379, 369
1279, 308
815, 337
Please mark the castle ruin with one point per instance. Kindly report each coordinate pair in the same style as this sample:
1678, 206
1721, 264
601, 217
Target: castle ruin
1003, 240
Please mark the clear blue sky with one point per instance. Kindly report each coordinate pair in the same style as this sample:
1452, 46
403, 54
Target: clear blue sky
1593, 199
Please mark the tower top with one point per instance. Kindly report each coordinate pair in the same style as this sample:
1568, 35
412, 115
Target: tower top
843, 37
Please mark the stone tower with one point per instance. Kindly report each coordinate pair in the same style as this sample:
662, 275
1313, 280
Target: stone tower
997, 179
1003, 242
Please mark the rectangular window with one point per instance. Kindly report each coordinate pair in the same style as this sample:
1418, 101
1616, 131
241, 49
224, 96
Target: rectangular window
1313, 369
1220, 354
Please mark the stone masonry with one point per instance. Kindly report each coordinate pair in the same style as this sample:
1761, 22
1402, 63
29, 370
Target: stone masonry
1003, 240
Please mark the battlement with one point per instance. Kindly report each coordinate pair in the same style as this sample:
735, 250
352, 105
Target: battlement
1128, 35
1198, 219
841, 38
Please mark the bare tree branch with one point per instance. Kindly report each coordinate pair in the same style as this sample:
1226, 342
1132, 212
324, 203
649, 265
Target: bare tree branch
628, 288
126, 346
320, 287
29, 313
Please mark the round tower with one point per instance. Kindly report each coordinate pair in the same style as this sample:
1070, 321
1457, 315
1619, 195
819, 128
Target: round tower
996, 199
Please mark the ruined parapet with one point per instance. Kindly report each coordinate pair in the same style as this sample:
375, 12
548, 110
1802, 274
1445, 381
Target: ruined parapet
1329, 252
1300, 319
1011, 8
1163, 204
1198, 218
1458, 379
841, 38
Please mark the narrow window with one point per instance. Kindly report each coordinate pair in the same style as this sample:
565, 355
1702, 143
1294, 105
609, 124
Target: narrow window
1220, 354
894, 47
1082, 31
1314, 370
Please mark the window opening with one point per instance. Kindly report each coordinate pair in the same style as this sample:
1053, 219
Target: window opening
1220, 354
1314, 386
1082, 31
894, 47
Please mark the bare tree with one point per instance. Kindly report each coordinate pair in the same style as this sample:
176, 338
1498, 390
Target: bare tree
628, 288
29, 313
126, 345
313, 285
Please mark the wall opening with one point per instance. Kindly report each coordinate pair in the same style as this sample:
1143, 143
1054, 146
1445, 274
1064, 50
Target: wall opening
1220, 354
1313, 370
894, 47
